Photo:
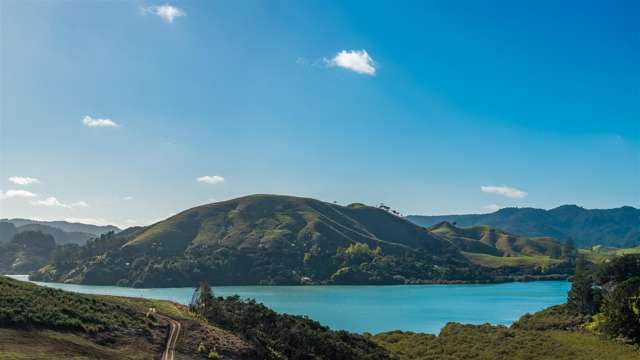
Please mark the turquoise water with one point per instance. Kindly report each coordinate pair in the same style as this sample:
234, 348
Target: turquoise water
419, 308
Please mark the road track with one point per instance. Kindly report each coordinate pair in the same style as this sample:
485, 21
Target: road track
174, 333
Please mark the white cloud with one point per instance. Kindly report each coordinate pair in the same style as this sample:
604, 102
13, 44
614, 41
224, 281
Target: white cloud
215, 179
79, 204
167, 12
93, 122
17, 194
354, 60
52, 201
504, 191
24, 180
127, 198
493, 207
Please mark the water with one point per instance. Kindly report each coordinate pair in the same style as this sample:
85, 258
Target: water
419, 308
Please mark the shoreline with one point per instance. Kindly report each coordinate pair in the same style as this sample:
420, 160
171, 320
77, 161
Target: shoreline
520, 279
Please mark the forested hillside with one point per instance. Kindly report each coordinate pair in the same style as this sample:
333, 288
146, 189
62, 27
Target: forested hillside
619, 227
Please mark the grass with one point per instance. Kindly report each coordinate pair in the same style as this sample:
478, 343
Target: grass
18, 344
488, 342
168, 308
43, 323
599, 254
516, 261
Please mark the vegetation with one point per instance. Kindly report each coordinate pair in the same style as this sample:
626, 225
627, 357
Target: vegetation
583, 297
618, 227
283, 336
486, 342
558, 317
39, 320
62, 231
599, 254
611, 293
268, 239
27, 305
26, 252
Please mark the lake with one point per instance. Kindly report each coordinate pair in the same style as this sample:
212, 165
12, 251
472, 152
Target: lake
419, 308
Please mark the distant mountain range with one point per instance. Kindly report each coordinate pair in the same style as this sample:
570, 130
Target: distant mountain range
273, 239
62, 231
619, 227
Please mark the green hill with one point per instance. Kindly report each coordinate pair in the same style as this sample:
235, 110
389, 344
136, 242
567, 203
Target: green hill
63, 232
494, 248
275, 222
619, 227
267, 239
25, 252
273, 239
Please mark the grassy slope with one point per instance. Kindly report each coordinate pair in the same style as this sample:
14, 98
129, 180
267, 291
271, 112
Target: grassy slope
488, 342
37, 319
519, 261
495, 248
270, 221
495, 241
612, 227
553, 333
43, 323
598, 254
265, 239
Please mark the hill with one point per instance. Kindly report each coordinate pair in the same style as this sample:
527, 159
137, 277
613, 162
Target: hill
62, 231
486, 240
44, 323
26, 252
273, 239
269, 239
495, 248
66, 226
619, 227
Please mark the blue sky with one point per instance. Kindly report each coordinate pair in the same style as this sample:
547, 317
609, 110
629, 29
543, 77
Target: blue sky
112, 111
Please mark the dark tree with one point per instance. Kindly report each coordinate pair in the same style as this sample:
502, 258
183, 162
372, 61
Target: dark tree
568, 249
202, 299
622, 310
620, 269
582, 297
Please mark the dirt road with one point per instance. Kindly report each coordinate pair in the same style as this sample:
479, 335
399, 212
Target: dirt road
170, 349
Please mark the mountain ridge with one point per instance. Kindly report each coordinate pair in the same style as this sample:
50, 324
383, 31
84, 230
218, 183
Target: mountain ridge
617, 227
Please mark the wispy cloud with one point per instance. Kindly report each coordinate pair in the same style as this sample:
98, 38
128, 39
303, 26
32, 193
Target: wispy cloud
215, 179
504, 191
17, 194
167, 12
127, 198
79, 204
24, 180
52, 201
93, 122
354, 60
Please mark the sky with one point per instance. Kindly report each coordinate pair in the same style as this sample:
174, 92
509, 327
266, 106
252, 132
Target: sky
125, 112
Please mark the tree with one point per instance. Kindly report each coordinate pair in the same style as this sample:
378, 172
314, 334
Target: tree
202, 299
568, 249
622, 310
582, 298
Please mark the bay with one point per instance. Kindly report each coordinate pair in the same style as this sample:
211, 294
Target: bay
418, 308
